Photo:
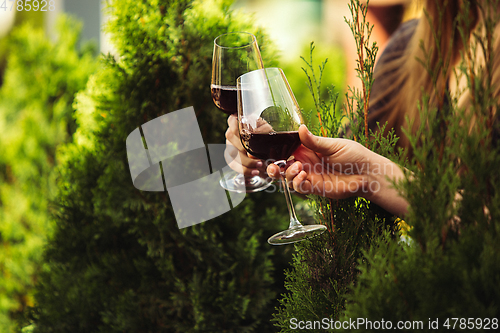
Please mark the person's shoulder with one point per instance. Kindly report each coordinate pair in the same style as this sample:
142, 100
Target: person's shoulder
399, 40
405, 31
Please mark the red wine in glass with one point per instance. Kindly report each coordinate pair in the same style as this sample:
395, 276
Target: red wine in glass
225, 98
269, 118
235, 53
271, 146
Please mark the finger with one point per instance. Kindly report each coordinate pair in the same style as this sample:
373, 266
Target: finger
238, 166
233, 158
241, 163
301, 184
231, 154
293, 170
324, 146
234, 139
232, 121
233, 133
252, 163
273, 171
233, 150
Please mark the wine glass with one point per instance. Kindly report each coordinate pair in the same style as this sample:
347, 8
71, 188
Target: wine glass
235, 53
269, 119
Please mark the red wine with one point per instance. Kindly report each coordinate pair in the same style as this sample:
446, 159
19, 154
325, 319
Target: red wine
271, 146
225, 98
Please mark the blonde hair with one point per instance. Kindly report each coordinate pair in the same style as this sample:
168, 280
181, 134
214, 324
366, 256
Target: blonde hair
426, 66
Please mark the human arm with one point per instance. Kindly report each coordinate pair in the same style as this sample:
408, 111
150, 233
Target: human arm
342, 168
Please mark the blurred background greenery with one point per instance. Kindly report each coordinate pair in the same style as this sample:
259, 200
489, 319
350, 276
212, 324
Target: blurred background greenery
39, 80
81, 250
291, 24
42, 67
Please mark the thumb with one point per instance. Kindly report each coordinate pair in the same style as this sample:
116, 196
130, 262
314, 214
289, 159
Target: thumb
318, 144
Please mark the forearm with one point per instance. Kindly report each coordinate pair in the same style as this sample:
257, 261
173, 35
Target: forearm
380, 186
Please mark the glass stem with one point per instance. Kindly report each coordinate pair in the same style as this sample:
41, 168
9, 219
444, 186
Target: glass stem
294, 222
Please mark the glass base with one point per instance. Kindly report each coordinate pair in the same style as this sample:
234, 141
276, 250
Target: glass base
296, 234
236, 182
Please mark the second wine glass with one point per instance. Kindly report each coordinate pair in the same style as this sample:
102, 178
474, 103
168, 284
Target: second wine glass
235, 53
269, 119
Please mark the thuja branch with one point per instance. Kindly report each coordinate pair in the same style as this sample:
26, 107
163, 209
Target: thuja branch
315, 88
366, 54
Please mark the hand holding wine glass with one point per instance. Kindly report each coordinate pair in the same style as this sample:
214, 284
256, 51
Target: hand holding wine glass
235, 53
340, 168
269, 118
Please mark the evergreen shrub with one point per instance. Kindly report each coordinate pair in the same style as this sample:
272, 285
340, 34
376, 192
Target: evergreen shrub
447, 275
36, 116
21, 17
117, 262
333, 77
325, 269
443, 274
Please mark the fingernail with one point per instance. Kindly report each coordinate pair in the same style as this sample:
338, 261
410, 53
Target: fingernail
259, 164
255, 172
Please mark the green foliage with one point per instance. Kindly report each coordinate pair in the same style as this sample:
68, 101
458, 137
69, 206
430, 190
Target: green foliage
450, 268
21, 17
40, 82
325, 268
117, 262
332, 78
